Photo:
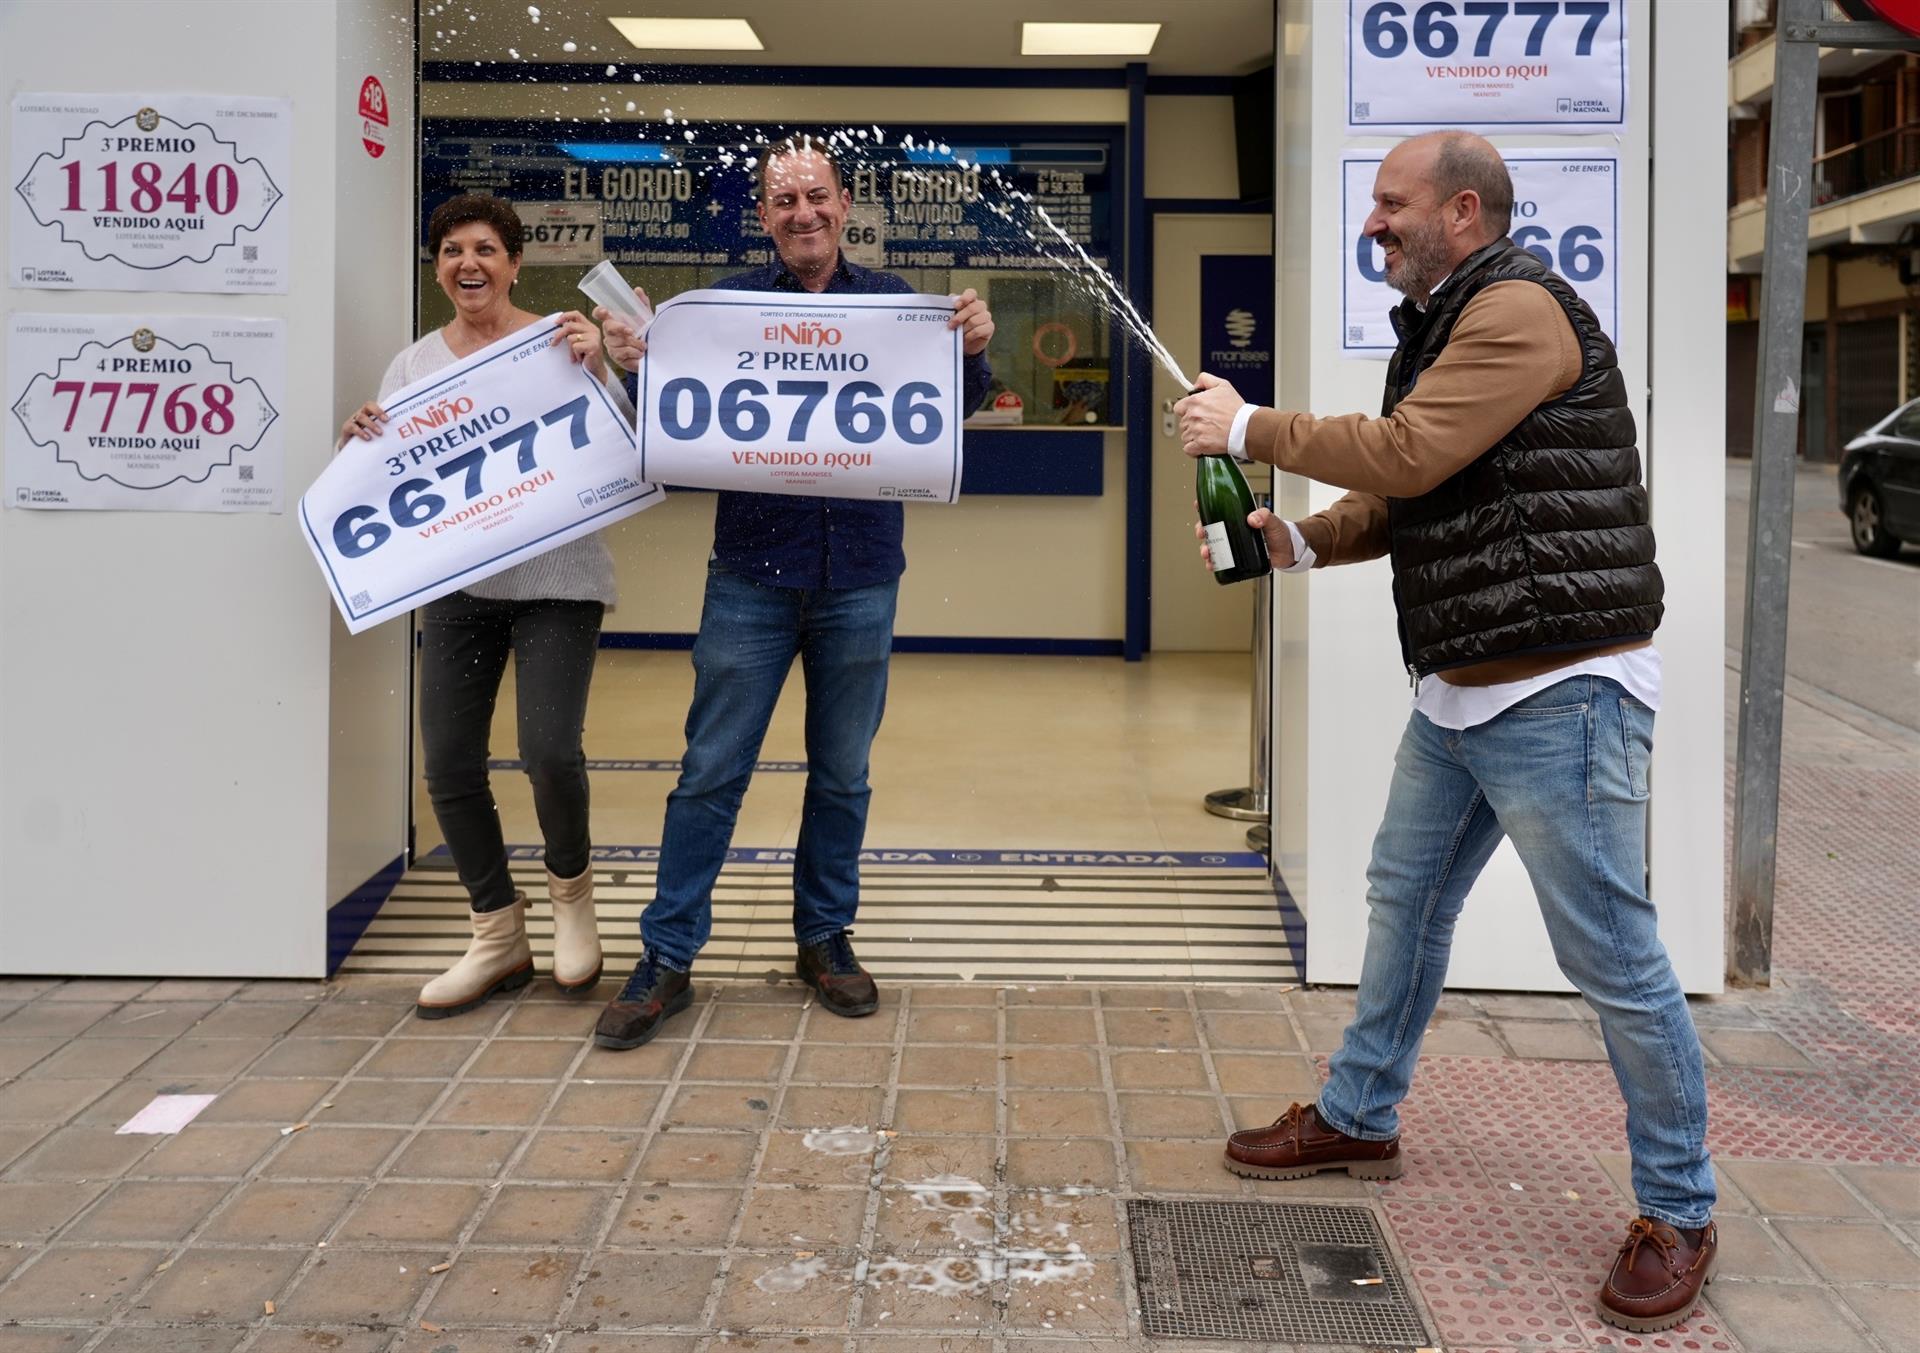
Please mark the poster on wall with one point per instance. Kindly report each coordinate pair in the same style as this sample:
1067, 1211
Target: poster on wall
508, 453
149, 192
922, 198
815, 395
1486, 65
1566, 212
168, 413
1236, 322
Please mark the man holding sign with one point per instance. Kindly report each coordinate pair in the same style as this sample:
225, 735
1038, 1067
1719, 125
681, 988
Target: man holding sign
1503, 480
791, 575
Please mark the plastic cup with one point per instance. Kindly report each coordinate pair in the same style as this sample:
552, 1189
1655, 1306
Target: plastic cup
604, 285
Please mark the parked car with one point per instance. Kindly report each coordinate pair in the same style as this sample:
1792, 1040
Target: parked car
1880, 483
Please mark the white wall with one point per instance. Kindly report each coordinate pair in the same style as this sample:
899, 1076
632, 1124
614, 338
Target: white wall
170, 745
1342, 690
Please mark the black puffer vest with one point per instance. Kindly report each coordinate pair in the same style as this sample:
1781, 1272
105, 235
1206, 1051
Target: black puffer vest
1542, 543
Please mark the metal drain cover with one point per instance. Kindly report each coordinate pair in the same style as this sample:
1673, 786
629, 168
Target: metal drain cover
1268, 1273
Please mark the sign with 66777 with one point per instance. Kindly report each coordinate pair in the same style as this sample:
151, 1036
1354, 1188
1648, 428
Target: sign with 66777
1566, 212
480, 466
815, 395
1490, 65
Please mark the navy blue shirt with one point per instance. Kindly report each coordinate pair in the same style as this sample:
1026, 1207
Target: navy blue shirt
791, 541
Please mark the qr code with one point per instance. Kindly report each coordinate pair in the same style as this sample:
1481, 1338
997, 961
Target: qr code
360, 601
1362, 111
1356, 333
249, 253
246, 473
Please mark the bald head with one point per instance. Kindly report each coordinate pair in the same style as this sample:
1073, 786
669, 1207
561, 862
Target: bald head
1458, 162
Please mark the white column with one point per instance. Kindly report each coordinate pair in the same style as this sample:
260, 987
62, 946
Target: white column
196, 762
1341, 689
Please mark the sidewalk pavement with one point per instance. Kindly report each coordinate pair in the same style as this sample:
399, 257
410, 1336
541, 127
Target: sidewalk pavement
948, 1176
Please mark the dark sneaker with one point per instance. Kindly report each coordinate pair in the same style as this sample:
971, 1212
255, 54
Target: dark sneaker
653, 993
1298, 1144
1657, 1278
830, 968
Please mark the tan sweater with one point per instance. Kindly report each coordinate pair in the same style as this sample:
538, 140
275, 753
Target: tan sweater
1512, 350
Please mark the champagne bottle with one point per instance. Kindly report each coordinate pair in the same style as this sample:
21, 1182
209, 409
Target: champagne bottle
1239, 550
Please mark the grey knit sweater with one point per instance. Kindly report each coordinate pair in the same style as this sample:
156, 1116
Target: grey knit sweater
580, 570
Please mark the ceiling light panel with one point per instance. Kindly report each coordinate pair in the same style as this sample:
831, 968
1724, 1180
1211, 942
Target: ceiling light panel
689, 35
1088, 39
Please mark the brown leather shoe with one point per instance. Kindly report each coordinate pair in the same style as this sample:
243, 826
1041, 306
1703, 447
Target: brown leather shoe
651, 995
1658, 1276
830, 968
1299, 1144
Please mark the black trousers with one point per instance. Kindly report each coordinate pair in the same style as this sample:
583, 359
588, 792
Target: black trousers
464, 645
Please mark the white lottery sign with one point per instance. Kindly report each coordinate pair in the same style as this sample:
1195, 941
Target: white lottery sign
175, 413
480, 466
149, 192
823, 395
1506, 65
1565, 212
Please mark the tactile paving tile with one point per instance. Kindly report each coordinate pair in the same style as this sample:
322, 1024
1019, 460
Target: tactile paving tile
1268, 1273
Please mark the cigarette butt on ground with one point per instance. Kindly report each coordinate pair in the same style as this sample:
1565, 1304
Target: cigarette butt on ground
432, 1328
269, 1306
440, 1268
297, 1127
1368, 1282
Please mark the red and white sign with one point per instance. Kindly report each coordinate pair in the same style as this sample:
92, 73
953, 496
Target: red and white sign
373, 116
135, 191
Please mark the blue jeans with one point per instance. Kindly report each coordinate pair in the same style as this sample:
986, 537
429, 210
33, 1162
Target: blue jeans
749, 635
1564, 775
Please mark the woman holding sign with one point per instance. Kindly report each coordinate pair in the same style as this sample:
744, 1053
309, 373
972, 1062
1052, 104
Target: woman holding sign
546, 611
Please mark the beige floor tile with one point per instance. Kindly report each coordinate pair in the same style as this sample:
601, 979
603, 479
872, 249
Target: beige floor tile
504, 1289
1053, 1069
539, 1217
720, 1106
840, 1064
1448, 1037
1773, 1318
332, 1057
94, 1057
928, 1291
221, 1285
1079, 1296
348, 1286
1852, 1252
1159, 1071
1190, 1166
819, 1157
77, 1284
805, 1107
931, 1065
270, 1213
48, 1101
328, 1152
210, 1150
788, 1293
915, 1159
985, 994
1753, 1047
1150, 1028
82, 1153
1553, 1040
1056, 1163
380, 1102
410, 1057
936, 1024
524, 1059
948, 1111
1055, 1025
1269, 1076
656, 1061
1054, 1113
1155, 1114
1789, 1188
194, 1056
602, 1342
32, 1210
281, 1103
1254, 1031
407, 1213
646, 1289
457, 1153
697, 1157
877, 1028
743, 1063
808, 1219
339, 1019
1749, 1249
613, 1105
1892, 1313
561, 1154
1057, 1222
1894, 1189
494, 1104
665, 1217
45, 1019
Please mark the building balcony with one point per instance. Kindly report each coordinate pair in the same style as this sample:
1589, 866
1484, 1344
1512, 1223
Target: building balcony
1877, 216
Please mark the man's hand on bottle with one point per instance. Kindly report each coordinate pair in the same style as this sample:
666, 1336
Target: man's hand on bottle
1279, 539
1206, 417
624, 343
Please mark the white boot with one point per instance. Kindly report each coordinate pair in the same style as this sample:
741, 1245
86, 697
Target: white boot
498, 959
576, 933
